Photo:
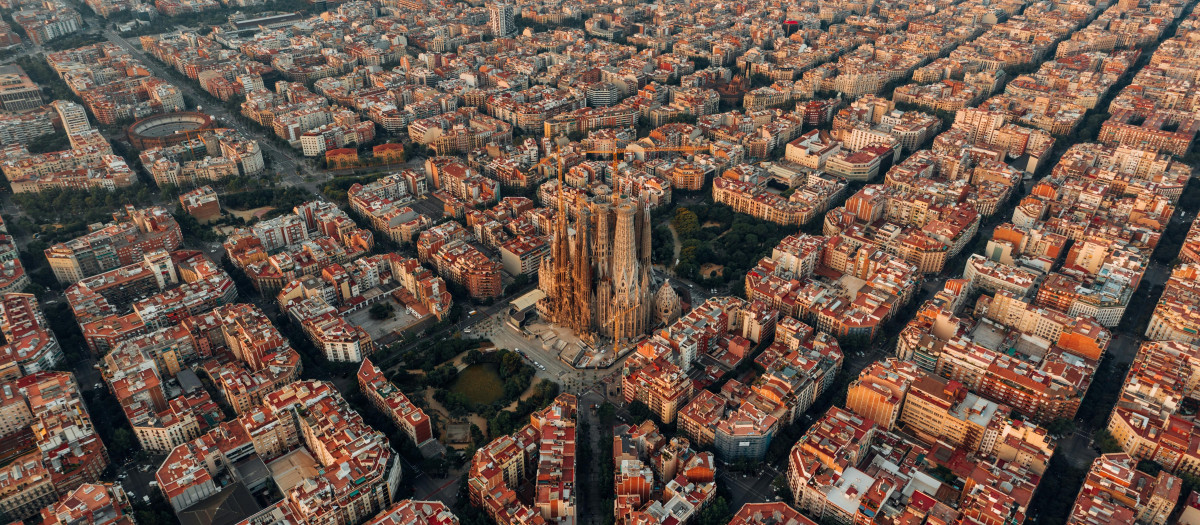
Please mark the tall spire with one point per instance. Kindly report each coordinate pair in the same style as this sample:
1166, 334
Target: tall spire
645, 248
603, 251
582, 313
625, 254
627, 281
561, 299
562, 214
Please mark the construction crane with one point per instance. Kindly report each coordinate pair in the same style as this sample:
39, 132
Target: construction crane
616, 155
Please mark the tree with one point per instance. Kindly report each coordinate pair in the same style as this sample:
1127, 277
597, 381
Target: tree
780, 484
519, 283
716, 513
441, 376
473, 356
381, 310
685, 222
510, 363
1105, 442
639, 411
760, 80
122, 439
607, 413
1150, 467
56, 141
1061, 427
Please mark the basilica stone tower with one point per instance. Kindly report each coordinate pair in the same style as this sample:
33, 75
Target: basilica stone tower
597, 279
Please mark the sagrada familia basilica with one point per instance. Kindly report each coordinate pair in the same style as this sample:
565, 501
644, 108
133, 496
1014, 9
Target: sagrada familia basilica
597, 279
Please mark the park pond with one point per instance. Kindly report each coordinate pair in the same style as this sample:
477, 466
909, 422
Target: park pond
480, 383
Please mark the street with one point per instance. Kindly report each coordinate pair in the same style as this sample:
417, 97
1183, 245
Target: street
572, 380
750, 488
588, 489
293, 173
754, 484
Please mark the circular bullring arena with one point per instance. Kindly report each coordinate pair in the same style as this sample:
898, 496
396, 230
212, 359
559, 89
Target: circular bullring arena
168, 129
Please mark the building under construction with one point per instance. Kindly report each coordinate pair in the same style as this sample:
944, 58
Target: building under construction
597, 279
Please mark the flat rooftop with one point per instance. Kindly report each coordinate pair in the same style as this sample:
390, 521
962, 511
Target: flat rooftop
292, 469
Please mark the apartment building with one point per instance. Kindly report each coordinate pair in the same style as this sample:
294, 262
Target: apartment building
48, 20
468, 267
29, 344
738, 431
1116, 491
879, 391
421, 286
644, 458
939, 409
1144, 421
660, 385
24, 127
543, 451
818, 300
60, 452
17, 91
413, 512
201, 203
769, 513
1037, 378
212, 156
137, 371
384, 201
114, 85
132, 234
837, 441
1176, 316
463, 130
89, 163
140, 298
92, 503
743, 190
329, 437
388, 398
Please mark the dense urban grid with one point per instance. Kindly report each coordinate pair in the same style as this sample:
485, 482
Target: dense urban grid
548, 262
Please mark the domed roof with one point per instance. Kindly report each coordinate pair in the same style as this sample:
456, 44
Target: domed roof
666, 295
666, 303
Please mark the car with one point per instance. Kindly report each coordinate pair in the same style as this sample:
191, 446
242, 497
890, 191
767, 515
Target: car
466, 330
472, 312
